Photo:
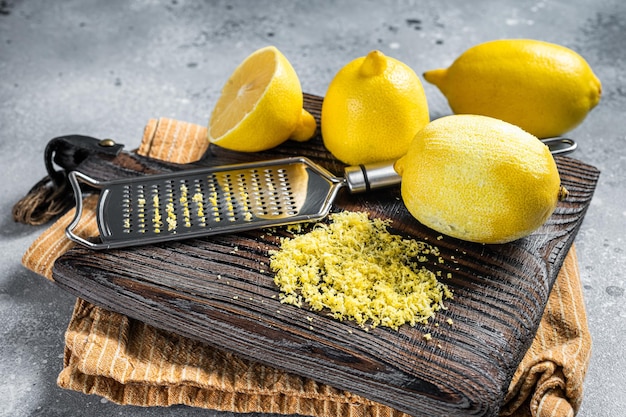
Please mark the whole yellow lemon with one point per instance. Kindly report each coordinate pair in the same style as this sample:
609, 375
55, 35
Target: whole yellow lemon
372, 109
544, 88
260, 105
479, 179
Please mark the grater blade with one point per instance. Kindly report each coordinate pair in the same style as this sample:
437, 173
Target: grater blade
202, 202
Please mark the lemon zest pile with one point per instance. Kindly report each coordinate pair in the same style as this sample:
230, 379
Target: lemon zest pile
358, 270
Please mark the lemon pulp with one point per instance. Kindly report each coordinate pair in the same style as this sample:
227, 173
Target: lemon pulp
242, 91
260, 105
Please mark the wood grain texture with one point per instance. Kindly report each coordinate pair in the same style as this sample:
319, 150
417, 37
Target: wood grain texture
220, 290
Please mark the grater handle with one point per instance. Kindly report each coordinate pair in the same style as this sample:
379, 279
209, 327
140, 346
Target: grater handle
560, 146
74, 177
363, 178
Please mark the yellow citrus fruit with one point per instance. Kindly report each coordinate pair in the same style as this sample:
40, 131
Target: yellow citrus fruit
372, 109
260, 105
544, 88
479, 179
305, 129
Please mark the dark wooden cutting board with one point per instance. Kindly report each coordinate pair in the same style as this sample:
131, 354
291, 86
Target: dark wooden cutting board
220, 290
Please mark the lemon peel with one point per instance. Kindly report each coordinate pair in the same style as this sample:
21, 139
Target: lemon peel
544, 88
479, 179
373, 107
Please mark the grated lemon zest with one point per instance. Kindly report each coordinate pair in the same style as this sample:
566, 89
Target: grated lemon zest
357, 270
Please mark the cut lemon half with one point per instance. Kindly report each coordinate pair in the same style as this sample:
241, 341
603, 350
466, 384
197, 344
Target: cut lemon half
260, 105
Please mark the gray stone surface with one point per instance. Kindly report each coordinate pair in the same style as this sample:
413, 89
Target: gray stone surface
104, 68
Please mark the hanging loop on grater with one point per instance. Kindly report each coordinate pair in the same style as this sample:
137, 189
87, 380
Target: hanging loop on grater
51, 196
69, 151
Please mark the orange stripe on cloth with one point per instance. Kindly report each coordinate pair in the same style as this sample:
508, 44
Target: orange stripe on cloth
217, 376
51, 244
174, 141
549, 379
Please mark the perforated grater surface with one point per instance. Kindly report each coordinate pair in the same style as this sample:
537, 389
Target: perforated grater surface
193, 203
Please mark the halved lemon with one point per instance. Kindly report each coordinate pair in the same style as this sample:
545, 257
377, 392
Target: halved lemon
260, 105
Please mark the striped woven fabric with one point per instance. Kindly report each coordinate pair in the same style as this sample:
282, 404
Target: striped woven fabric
129, 362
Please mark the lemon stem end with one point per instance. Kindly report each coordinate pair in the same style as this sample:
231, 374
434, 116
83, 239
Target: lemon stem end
563, 193
305, 129
435, 76
374, 64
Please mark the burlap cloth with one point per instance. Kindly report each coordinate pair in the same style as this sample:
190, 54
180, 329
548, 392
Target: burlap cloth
129, 362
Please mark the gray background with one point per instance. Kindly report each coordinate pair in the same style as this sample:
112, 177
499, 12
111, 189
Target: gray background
104, 68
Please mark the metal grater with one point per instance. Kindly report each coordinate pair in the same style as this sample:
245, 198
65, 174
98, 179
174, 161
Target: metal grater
192, 203
225, 199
